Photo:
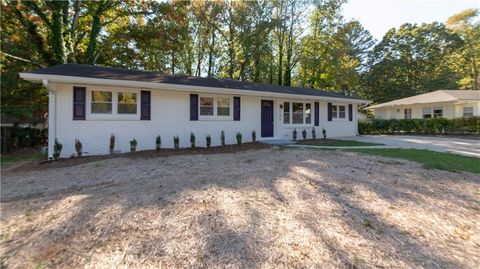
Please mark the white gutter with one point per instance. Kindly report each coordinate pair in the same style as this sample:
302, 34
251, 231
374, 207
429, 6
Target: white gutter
52, 128
176, 87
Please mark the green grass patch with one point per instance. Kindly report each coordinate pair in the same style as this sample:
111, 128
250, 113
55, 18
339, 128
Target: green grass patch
8, 159
430, 159
336, 143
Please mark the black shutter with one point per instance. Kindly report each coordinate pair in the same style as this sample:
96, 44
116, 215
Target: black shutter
145, 105
236, 108
316, 107
193, 106
79, 101
350, 112
329, 113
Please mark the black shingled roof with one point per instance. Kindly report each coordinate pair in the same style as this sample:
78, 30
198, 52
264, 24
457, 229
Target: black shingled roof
94, 71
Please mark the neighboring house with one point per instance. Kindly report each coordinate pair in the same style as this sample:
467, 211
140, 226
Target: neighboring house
92, 102
443, 103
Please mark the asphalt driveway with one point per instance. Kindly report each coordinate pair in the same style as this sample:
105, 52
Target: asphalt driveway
468, 147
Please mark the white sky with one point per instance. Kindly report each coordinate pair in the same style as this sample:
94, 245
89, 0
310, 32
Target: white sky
378, 16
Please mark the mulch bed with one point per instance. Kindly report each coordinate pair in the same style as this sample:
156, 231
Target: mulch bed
66, 162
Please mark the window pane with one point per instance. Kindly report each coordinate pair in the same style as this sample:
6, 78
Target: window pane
206, 106
437, 112
468, 111
341, 112
105, 108
124, 97
286, 113
98, 96
206, 101
206, 110
223, 107
408, 113
308, 113
334, 111
224, 102
297, 113
127, 108
427, 113
223, 111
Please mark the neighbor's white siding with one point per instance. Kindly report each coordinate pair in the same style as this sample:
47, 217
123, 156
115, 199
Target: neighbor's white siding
170, 116
450, 110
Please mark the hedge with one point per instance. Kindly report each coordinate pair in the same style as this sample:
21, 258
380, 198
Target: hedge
421, 126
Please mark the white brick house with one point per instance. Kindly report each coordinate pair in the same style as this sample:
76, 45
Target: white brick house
90, 103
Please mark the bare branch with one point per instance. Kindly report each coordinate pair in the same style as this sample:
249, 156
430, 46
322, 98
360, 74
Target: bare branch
21, 59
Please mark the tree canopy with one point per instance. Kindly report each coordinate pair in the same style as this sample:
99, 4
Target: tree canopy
289, 42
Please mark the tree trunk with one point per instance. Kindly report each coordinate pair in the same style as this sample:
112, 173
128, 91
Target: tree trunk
94, 32
210, 55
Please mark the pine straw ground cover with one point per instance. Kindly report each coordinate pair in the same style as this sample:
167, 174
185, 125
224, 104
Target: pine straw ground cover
255, 209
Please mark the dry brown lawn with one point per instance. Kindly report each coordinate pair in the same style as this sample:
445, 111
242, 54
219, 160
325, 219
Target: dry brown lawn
254, 209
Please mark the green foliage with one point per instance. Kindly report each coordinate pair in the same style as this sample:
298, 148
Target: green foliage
304, 134
158, 143
420, 126
57, 149
254, 136
294, 134
222, 137
314, 134
133, 145
78, 147
176, 142
239, 138
192, 140
208, 139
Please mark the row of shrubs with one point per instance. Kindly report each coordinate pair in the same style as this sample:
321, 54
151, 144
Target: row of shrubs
57, 148
421, 126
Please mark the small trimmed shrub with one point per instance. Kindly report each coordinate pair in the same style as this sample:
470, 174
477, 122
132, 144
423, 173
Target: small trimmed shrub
324, 133
222, 138
239, 138
304, 134
208, 139
78, 147
176, 142
294, 134
57, 149
112, 143
158, 143
254, 136
314, 134
133, 145
192, 140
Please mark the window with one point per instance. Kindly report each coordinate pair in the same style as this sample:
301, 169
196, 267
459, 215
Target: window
427, 113
297, 113
468, 112
286, 113
127, 103
341, 112
308, 113
101, 102
437, 112
408, 113
334, 111
223, 107
206, 106
297, 109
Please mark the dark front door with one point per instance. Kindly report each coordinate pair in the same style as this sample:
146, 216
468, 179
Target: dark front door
267, 118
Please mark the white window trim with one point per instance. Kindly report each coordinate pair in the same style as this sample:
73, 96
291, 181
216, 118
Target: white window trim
423, 113
215, 117
405, 114
338, 112
436, 108
304, 124
114, 115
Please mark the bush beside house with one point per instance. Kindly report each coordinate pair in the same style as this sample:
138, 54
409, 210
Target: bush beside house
421, 126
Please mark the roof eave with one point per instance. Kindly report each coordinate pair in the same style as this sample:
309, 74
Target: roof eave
38, 78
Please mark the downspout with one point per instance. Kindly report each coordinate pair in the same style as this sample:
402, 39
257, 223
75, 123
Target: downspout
52, 128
